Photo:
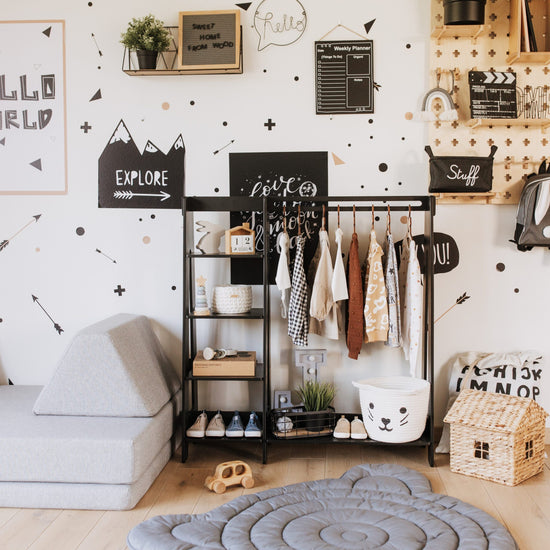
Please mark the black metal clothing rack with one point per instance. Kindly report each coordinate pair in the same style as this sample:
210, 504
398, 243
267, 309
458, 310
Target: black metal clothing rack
267, 206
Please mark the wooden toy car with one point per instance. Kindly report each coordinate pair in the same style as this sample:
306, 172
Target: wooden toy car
230, 473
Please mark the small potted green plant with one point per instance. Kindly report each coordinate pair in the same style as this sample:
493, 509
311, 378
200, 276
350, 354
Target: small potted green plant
147, 36
317, 397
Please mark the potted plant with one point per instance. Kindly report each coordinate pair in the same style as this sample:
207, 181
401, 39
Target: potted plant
464, 12
317, 397
147, 36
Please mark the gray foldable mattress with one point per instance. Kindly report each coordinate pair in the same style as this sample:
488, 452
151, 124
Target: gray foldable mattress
371, 506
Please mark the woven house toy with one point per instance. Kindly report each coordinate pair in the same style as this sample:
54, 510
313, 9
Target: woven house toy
496, 436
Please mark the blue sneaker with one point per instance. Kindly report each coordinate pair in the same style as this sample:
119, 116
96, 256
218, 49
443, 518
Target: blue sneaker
235, 428
253, 427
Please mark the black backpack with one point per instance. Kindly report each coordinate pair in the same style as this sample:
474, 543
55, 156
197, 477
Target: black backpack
533, 216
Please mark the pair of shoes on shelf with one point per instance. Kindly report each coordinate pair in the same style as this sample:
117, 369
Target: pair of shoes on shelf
216, 426
345, 429
236, 428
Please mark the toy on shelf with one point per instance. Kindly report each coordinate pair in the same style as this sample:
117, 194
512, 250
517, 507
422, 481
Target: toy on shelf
210, 242
240, 240
201, 305
227, 474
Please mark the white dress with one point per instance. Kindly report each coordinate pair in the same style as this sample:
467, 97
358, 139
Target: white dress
410, 290
282, 278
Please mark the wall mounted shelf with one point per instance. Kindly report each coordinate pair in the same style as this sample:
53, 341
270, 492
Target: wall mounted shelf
540, 10
542, 123
460, 31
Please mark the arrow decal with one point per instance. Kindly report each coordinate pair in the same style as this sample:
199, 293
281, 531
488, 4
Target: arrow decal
5, 242
222, 148
103, 254
126, 195
55, 325
460, 300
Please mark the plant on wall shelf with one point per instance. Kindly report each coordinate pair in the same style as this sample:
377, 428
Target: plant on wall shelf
147, 36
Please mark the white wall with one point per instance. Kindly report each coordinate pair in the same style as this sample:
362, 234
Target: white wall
75, 284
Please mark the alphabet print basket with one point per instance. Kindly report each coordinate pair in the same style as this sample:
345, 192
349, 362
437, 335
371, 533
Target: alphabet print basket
394, 408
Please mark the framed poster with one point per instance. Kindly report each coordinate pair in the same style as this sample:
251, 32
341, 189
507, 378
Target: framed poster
210, 41
291, 176
33, 143
344, 77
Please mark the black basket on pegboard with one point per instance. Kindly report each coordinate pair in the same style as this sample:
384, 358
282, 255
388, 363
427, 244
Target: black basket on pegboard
296, 422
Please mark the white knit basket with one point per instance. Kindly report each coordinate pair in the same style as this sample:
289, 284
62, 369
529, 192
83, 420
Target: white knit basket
394, 408
232, 299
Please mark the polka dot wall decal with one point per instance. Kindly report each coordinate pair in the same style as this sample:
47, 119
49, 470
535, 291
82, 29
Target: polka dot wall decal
153, 216
166, 106
37, 249
146, 239
377, 218
224, 122
80, 231
404, 220
191, 102
173, 287
216, 189
516, 290
382, 167
349, 144
501, 267
296, 78
371, 120
408, 46
90, 4
409, 116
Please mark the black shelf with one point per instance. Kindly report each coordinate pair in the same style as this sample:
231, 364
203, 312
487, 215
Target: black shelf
255, 313
222, 255
425, 204
258, 376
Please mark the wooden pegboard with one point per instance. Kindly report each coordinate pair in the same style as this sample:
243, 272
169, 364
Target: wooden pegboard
521, 147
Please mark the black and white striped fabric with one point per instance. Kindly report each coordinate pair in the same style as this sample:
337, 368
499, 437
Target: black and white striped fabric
298, 318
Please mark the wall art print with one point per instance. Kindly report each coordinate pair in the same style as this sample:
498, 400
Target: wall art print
32, 107
291, 176
130, 179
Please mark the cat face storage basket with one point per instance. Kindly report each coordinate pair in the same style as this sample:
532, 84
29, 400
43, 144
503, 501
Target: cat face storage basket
394, 408
232, 299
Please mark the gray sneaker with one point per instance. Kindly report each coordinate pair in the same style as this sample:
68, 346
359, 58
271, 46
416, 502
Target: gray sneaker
235, 428
253, 427
216, 426
199, 426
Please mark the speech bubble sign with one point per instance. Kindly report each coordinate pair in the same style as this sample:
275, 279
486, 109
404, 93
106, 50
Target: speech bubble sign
279, 22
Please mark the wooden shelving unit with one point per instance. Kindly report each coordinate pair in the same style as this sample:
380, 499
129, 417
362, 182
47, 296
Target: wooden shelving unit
540, 10
542, 123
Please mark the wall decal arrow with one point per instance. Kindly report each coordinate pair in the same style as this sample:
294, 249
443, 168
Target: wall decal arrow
103, 254
460, 300
222, 148
130, 194
5, 242
55, 325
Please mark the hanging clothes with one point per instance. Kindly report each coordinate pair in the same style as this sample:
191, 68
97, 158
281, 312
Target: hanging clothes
339, 284
355, 304
298, 318
410, 290
282, 277
321, 292
392, 292
376, 304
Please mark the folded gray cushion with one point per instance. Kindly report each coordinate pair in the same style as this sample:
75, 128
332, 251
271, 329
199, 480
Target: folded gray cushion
113, 368
76, 449
370, 506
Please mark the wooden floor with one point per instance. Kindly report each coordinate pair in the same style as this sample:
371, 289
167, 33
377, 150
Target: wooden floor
524, 510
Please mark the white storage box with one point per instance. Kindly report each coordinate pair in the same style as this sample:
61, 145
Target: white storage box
394, 408
232, 299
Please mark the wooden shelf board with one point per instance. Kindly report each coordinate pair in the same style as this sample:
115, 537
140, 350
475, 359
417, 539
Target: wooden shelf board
462, 31
542, 123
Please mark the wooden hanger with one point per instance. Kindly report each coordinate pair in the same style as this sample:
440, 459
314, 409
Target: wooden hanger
410, 220
389, 219
372, 220
354, 218
284, 218
299, 223
323, 220
338, 216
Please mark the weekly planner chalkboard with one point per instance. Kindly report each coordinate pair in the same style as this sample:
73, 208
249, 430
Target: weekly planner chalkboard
344, 77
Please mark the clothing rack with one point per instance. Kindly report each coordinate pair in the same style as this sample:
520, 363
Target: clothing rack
274, 205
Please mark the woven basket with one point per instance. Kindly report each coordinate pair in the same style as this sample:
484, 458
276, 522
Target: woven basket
394, 408
232, 299
497, 437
